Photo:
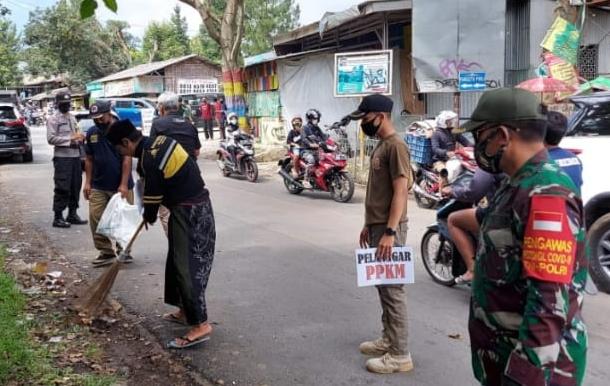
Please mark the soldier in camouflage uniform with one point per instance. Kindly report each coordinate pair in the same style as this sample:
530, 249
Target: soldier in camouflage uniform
526, 326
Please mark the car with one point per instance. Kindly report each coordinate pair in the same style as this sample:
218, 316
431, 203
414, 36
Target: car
139, 111
15, 136
9, 96
589, 135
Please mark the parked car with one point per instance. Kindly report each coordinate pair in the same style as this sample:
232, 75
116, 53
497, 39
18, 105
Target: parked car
139, 111
9, 96
589, 134
15, 136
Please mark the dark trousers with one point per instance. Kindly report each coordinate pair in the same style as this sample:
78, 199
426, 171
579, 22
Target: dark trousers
221, 127
192, 238
68, 179
208, 128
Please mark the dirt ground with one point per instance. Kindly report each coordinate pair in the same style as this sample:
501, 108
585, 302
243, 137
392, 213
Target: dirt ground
114, 343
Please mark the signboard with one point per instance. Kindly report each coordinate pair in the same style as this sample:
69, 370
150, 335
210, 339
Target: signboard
363, 73
563, 40
119, 88
197, 86
472, 81
399, 269
149, 85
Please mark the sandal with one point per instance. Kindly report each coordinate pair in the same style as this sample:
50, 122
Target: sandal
171, 317
461, 280
190, 342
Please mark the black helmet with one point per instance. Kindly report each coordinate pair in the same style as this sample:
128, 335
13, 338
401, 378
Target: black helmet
312, 114
556, 128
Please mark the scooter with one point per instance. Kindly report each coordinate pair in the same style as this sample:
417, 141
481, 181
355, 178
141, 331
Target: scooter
244, 162
427, 186
327, 175
440, 256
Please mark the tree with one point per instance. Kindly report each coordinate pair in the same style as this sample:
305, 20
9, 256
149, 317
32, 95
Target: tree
123, 40
166, 40
264, 20
180, 29
9, 53
58, 41
203, 45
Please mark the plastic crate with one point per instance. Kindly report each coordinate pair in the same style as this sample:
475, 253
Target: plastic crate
420, 148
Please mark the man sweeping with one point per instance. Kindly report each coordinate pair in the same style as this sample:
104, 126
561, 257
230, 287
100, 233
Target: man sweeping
173, 179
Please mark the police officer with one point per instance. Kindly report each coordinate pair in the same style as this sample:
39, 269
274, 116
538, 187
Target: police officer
525, 325
64, 134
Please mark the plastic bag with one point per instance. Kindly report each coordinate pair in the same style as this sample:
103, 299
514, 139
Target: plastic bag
119, 220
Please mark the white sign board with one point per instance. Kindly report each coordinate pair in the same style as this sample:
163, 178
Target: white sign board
363, 73
399, 269
197, 86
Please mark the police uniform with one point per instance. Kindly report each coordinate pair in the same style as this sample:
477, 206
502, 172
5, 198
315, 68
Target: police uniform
68, 172
525, 323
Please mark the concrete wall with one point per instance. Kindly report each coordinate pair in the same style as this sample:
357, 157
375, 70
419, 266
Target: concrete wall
597, 31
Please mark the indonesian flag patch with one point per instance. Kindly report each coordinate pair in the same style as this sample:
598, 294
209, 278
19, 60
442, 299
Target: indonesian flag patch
549, 247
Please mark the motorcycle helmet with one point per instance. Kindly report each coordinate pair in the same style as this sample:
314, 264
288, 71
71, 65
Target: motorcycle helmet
313, 116
296, 121
556, 128
233, 119
444, 118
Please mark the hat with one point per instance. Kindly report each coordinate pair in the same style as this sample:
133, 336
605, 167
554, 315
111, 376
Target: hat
99, 108
119, 130
63, 97
504, 105
376, 103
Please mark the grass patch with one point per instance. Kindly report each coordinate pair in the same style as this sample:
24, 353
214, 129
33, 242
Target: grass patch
23, 360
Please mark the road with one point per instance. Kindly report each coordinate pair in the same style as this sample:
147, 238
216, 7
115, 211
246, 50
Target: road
282, 294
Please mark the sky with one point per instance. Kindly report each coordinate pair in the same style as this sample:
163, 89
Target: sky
138, 13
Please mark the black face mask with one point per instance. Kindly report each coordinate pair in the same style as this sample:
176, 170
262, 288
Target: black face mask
64, 107
488, 163
102, 126
370, 128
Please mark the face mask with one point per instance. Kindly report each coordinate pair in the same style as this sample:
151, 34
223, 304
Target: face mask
233, 122
102, 126
315, 121
64, 107
490, 164
370, 128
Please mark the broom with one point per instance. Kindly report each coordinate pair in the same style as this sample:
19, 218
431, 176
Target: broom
97, 293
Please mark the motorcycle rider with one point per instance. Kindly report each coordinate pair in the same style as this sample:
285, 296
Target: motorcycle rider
295, 141
232, 135
444, 141
312, 139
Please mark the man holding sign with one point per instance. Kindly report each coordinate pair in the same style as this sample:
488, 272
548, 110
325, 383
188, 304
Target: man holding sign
525, 325
386, 227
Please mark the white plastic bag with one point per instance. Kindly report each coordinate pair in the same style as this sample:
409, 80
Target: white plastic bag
119, 220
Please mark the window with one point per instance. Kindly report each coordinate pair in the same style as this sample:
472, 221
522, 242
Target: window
139, 105
588, 60
122, 104
7, 113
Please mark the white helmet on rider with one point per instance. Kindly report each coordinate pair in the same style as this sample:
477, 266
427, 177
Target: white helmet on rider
233, 119
446, 119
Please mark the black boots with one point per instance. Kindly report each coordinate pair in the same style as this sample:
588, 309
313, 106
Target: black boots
74, 219
59, 222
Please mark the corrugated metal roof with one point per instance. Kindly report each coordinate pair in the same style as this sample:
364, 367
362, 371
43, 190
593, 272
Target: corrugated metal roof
147, 68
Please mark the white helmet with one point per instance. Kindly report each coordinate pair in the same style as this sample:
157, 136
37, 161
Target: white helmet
232, 115
444, 117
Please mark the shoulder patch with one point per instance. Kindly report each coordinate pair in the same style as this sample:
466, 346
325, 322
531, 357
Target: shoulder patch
549, 246
93, 138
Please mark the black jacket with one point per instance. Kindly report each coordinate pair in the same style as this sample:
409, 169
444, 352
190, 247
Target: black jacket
443, 141
175, 126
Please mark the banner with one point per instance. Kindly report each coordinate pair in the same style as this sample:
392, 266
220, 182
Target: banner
399, 269
560, 69
363, 73
563, 40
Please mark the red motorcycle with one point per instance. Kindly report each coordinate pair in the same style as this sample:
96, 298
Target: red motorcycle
328, 174
427, 180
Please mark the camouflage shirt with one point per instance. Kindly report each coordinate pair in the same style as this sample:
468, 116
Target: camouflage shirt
525, 324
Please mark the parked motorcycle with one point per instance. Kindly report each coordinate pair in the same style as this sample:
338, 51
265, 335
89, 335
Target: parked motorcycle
244, 163
440, 256
327, 175
426, 188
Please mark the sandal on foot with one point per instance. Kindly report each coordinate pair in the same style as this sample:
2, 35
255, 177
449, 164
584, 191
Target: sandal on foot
190, 342
174, 319
462, 280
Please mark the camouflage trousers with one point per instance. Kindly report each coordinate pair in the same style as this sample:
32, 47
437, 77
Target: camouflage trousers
393, 298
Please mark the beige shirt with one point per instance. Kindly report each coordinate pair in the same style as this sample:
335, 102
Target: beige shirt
59, 129
389, 161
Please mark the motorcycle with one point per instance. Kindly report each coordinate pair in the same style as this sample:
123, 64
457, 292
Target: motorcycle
327, 175
426, 188
244, 163
440, 256
339, 134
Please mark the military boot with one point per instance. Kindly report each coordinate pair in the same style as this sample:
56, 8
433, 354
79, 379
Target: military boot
389, 363
59, 222
73, 218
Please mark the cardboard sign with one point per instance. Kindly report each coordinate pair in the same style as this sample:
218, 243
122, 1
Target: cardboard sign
399, 269
549, 247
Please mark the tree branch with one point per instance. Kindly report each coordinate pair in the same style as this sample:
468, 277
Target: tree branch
239, 23
210, 20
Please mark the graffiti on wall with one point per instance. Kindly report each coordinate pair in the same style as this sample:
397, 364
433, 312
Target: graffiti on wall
450, 68
271, 131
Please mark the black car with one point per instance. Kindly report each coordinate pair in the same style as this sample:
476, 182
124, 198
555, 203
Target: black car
15, 137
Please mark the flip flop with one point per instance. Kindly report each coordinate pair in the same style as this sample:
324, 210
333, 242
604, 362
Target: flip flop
461, 280
174, 343
174, 319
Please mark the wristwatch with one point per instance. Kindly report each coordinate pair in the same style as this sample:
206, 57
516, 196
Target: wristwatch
390, 232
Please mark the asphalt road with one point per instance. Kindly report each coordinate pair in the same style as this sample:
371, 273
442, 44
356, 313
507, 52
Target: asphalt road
283, 294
